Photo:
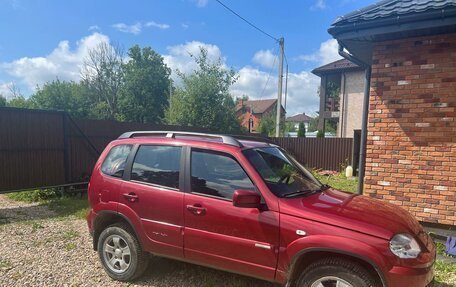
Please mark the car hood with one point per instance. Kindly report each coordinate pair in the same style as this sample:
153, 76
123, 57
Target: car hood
356, 212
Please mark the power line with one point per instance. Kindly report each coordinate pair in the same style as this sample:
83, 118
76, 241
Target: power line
269, 75
286, 60
248, 22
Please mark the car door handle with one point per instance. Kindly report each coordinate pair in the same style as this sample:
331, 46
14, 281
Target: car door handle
196, 209
131, 197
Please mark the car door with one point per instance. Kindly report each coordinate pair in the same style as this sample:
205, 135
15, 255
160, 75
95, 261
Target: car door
218, 234
152, 191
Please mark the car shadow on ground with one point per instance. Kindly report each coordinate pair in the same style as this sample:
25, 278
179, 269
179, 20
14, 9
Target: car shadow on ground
160, 271
440, 284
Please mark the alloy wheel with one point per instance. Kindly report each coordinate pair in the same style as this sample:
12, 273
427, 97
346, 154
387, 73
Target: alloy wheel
116, 253
331, 281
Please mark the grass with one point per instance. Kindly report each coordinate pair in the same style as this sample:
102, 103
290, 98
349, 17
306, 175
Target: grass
445, 273
70, 234
338, 181
5, 264
38, 195
36, 226
69, 207
70, 246
63, 206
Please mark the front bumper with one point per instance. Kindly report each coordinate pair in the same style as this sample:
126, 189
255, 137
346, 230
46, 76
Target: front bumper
409, 277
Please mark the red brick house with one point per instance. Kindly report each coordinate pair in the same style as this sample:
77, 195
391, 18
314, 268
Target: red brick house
250, 113
409, 47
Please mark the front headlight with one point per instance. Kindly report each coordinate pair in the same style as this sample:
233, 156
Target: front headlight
405, 246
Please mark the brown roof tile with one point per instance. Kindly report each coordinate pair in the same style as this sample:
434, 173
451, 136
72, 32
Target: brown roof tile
299, 118
340, 65
258, 106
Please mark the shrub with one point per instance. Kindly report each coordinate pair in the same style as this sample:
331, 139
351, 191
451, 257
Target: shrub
35, 195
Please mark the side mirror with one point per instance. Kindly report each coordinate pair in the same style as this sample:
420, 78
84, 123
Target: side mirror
246, 199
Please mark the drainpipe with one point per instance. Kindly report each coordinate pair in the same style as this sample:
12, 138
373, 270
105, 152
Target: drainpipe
362, 152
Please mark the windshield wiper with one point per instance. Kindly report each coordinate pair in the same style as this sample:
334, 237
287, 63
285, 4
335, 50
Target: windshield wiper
307, 191
324, 187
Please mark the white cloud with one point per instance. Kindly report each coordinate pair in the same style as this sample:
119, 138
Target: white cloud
180, 57
5, 89
94, 28
201, 3
327, 53
134, 29
184, 26
62, 62
265, 58
319, 5
157, 25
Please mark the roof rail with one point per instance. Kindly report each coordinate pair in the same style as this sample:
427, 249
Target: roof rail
259, 138
229, 140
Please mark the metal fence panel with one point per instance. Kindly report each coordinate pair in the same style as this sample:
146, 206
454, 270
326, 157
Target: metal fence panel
47, 148
320, 153
29, 142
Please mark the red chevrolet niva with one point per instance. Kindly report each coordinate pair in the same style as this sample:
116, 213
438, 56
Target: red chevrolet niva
245, 206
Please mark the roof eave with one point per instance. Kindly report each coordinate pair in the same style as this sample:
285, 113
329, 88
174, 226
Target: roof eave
335, 71
398, 23
360, 34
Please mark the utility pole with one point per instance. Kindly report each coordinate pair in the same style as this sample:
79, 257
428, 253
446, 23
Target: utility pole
286, 88
279, 94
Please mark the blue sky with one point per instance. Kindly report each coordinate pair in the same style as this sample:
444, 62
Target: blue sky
42, 40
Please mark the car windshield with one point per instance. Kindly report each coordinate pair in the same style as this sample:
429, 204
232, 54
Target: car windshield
284, 176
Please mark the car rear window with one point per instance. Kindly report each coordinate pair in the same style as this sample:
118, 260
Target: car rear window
157, 165
114, 164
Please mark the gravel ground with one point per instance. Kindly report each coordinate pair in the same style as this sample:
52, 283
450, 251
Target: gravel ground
37, 248
41, 248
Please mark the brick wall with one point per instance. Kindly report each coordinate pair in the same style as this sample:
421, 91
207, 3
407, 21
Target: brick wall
244, 119
411, 148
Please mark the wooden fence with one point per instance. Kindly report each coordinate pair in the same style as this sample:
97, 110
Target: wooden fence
48, 148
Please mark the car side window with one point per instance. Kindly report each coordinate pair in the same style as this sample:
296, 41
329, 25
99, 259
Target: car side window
157, 165
114, 163
217, 174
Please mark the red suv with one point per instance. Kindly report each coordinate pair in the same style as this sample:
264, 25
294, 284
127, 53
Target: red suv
248, 207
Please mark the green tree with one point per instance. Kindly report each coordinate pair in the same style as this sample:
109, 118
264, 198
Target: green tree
242, 98
102, 77
331, 125
301, 130
267, 125
2, 101
63, 96
145, 91
289, 127
20, 102
204, 99
313, 124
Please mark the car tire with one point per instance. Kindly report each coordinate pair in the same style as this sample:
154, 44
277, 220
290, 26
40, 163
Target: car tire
121, 254
329, 271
